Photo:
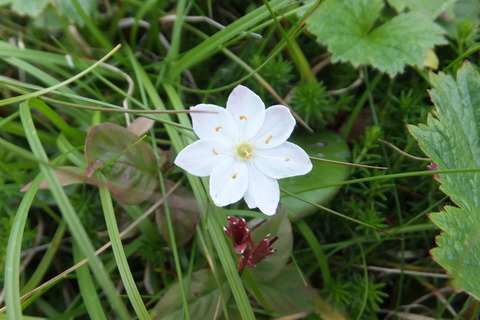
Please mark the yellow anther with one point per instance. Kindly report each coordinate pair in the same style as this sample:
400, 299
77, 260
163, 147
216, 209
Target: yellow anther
268, 139
243, 118
248, 155
286, 159
234, 176
214, 152
218, 128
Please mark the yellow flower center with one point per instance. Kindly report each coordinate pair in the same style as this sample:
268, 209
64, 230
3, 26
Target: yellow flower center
245, 150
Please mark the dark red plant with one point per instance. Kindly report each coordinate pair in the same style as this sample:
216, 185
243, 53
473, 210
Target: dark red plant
239, 233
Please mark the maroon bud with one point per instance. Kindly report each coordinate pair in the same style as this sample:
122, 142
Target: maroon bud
239, 233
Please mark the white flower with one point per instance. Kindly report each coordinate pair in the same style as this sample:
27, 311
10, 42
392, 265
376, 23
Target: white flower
243, 149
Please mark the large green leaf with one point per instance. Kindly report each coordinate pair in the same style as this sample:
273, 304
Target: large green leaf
272, 266
451, 139
31, 8
431, 7
132, 175
203, 298
185, 215
287, 293
328, 145
347, 28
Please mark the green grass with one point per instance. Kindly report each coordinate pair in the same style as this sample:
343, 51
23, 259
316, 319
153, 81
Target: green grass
63, 73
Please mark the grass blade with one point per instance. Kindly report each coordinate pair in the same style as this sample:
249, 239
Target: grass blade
120, 257
68, 212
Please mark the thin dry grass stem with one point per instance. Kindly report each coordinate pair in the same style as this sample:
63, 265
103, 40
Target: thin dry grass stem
352, 86
99, 251
408, 313
272, 91
218, 307
82, 43
131, 86
210, 21
29, 254
325, 61
295, 316
146, 279
128, 22
402, 152
22, 75
114, 69
206, 253
438, 293
408, 272
102, 109
38, 238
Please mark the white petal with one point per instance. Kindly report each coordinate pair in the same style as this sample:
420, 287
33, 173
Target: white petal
263, 192
217, 123
247, 110
228, 182
200, 157
276, 129
250, 199
286, 160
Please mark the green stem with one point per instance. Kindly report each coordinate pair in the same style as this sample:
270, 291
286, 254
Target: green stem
14, 247
59, 85
119, 253
393, 176
358, 107
317, 251
339, 214
69, 214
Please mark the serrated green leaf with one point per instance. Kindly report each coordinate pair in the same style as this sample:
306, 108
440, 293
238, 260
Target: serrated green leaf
31, 7
27, 7
347, 28
67, 9
451, 139
203, 298
431, 7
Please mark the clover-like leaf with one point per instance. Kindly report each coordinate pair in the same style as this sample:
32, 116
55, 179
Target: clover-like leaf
132, 175
348, 29
203, 298
451, 138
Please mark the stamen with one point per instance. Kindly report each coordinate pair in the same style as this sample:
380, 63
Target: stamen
243, 118
268, 139
218, 128
215, 152
234, 176
248, 155
286, 159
